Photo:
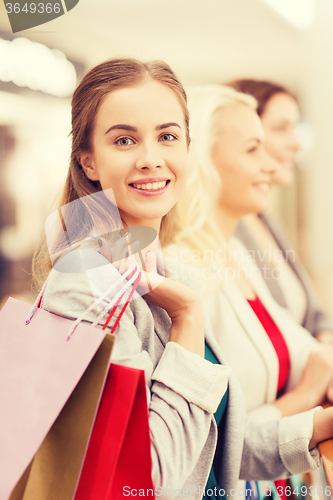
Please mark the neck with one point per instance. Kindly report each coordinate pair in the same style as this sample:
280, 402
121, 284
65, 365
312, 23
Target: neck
144, 235
133, 221
227, 221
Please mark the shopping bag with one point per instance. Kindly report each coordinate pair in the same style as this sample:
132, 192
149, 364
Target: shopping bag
118, 459
41, 363
54, 471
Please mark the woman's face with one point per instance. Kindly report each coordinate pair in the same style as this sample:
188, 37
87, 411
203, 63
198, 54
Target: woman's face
140, 151
240, 158
279, 120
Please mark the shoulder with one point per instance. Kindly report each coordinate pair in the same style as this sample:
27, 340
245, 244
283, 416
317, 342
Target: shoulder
183, 264
76, 280
277, 230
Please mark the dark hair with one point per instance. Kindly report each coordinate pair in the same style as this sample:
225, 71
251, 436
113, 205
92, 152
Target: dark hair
261, 90
82, 217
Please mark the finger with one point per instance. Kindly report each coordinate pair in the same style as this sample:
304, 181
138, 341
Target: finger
160, 263
329, 393
130, 250
126, 263
104, 249
120, 246
150, 262
135, 246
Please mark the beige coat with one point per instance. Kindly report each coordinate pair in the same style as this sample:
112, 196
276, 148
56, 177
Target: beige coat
251, 355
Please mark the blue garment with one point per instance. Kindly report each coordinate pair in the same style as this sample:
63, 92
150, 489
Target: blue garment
212, 485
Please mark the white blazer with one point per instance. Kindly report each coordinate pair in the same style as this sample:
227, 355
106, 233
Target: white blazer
249, 351
245, 343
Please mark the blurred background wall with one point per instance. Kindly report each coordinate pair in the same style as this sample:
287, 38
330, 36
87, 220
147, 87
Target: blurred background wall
289, 41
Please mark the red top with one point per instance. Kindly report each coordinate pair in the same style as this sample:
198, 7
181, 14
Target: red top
282, 352
276, 338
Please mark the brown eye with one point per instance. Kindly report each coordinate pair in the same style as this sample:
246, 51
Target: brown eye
124, 141
168, 137
280, 128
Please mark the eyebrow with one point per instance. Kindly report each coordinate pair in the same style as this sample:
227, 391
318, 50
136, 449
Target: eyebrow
254, 139
121, 126
167, 125
129, 128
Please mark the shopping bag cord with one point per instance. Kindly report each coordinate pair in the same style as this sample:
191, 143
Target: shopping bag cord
36, 303
134, 287
134, 268
131, 279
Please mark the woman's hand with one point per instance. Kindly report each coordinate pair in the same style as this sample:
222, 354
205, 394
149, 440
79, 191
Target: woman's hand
181, 302
325, 337
322, 427
315, 385
316, 382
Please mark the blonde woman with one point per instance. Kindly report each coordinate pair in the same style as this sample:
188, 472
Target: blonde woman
280, 114
283, 371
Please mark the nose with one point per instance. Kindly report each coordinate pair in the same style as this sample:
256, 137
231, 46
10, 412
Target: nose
149, 157
293, 143
268, 164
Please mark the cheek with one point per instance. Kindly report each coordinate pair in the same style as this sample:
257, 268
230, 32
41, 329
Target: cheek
111, 165
178, 162
274, 145
231, 181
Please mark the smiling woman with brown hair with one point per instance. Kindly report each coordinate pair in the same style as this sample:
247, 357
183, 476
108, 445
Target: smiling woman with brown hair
130, 146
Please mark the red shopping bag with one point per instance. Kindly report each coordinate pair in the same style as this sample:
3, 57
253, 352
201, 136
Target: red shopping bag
118, 460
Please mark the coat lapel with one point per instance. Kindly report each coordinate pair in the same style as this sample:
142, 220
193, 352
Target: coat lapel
255, 331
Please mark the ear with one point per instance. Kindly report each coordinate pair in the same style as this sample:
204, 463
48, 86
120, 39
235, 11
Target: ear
87, 163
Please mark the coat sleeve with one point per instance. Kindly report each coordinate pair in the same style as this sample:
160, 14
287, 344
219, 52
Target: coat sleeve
316, 319
183, 389
276, 447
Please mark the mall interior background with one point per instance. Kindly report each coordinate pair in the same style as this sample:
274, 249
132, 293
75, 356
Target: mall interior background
204, 42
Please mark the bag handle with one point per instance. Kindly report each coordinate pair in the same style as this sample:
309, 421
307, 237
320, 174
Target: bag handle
36, 303
134, 275
135, 285
131, 279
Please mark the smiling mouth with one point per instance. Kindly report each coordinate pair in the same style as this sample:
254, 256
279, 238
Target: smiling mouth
151, 186
263, 186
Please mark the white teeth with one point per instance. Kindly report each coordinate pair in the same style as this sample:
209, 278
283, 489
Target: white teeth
151, 186
263, 186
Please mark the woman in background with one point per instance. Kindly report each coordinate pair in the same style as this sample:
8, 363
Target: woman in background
289, 284
282, 369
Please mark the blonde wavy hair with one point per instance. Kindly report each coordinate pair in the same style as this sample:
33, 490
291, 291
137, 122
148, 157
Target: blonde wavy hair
193, 217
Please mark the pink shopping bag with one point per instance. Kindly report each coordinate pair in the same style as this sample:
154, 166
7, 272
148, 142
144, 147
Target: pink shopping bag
41, 363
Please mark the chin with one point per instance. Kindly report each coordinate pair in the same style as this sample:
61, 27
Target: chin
284, 176
259, 208
283, 180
